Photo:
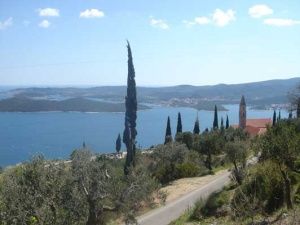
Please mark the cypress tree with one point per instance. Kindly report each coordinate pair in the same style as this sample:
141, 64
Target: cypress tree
168, 137
197, 126
227, 122
118, 144
274, 118
216, 122
179, 124
243, 113
279, 116
130, 132
222, 124
291, 114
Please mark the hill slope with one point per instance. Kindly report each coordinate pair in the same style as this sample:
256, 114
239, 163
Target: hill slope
259, 94
18, 104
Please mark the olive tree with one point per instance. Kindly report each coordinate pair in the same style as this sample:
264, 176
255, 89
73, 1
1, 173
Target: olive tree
32, 193
236, 153
281, 144
86, 190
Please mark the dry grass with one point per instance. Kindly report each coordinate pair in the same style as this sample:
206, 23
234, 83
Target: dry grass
181, 187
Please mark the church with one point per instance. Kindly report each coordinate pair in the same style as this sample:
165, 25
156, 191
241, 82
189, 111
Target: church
252, 126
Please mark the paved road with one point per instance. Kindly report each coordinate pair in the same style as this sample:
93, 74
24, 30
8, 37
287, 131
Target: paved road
172, 210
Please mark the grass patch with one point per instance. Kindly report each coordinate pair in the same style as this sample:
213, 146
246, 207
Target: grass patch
183, 219
222, 167
206, 211
215, 205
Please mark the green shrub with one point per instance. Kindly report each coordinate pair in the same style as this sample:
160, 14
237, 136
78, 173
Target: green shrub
187, 170
49, 192
215, 202
261, 192
213, 206
196, 213
33, 220
297, 195
186, 138
173, 161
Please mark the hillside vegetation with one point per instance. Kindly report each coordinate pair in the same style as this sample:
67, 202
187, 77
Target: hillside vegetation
21, 104
93, 190
265, 193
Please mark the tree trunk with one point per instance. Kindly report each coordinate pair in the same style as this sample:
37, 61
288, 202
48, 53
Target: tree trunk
129, 157
287, 184
53, 212
133, 153
94, 217
237, 173
208, 161
235, 166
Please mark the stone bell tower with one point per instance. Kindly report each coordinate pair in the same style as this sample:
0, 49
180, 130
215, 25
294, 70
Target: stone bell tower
242, 114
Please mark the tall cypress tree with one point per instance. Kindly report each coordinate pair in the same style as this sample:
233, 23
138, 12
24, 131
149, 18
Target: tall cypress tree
197, 126
279, 116
118, 144
130, 132
291, 114
216, 121
243, 113
222, 124
227, 122
274, 118
179, 124
168, 137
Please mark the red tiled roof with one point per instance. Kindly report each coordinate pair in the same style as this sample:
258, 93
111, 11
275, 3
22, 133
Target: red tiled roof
262, 123
252, 130
256, 126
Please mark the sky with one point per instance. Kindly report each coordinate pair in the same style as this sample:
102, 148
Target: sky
197, 42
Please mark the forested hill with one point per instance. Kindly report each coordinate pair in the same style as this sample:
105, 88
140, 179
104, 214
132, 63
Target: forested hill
260, 94
18, 104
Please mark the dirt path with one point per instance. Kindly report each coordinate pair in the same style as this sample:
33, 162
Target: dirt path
184, 186
182, 194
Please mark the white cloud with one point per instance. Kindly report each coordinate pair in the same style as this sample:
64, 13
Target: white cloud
44, 24
48, 12
202, 20
189, 23
258, 11
281, 22
6, 23
222, 18
157, 23
219, 18
91, 13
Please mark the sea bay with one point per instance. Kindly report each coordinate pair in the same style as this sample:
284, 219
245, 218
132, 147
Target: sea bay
56, 134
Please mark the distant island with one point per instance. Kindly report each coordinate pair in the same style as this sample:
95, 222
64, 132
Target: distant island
259, 95
18, 104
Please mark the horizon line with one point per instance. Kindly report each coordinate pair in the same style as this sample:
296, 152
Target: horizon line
145, 86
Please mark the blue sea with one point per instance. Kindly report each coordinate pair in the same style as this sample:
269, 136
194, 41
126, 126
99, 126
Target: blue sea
57, 134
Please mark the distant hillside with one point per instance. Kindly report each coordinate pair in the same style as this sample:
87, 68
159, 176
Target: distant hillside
17, 104
272, 89
258, 94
